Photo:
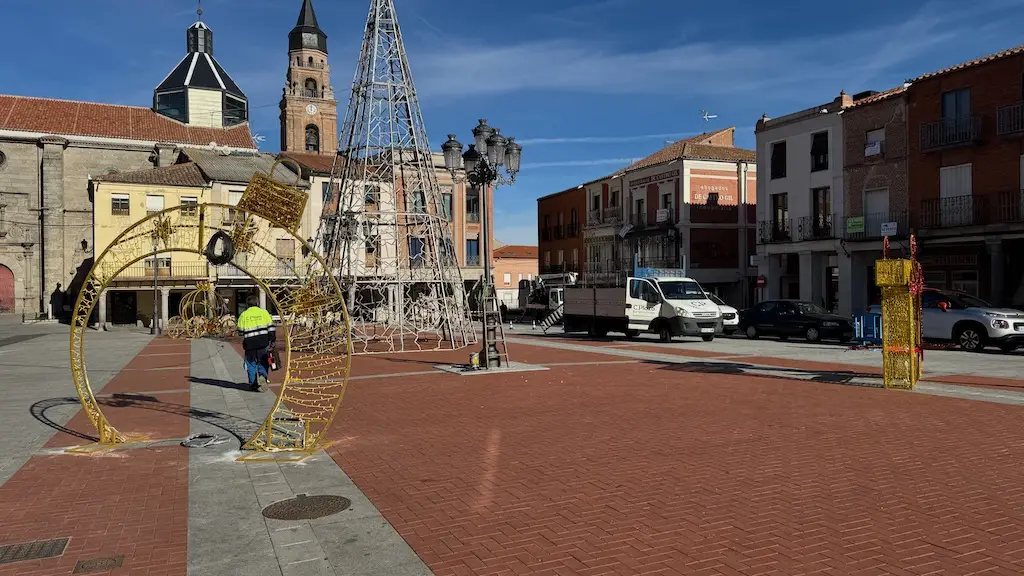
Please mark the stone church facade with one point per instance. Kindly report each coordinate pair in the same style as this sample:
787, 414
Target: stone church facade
50, 148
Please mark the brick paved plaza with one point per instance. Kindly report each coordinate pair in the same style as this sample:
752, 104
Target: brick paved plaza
616, 459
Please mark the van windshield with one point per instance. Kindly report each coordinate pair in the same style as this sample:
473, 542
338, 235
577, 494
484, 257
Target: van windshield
682, 290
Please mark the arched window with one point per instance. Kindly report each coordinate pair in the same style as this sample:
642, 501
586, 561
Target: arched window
310, 61
311, 88
312, 138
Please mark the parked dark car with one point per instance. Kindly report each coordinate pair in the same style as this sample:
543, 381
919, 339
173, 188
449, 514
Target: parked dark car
785, 318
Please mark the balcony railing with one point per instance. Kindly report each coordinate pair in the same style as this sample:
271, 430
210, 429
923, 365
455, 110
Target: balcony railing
774, 231
657, 262
573, 230
950, 132
1010, 120
612, 214
473, 260
473, 217
873, 226
1009, 206
141, 271
594, 217
639, 219
967, 210
817, 227
559, 232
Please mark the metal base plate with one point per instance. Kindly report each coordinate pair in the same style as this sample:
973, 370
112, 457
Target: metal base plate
467, 370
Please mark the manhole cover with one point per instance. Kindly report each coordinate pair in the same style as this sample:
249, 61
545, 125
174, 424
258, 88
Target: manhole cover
32, 550
304, 507
98, 564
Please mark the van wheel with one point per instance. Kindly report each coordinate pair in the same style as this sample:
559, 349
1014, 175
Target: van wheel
665, 334
812, 334
708, 338
752, 332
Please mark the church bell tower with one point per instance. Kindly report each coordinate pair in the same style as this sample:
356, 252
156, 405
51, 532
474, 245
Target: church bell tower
309, 112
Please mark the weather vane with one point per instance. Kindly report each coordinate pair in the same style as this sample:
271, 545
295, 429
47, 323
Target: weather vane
199, 10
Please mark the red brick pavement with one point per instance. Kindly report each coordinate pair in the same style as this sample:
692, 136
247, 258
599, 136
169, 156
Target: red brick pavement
132, 502
640, 469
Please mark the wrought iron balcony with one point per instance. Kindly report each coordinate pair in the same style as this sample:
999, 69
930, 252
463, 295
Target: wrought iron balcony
774, 231
1009, 206
639, 219
950, 132
817, 227
473, 217
1010, 120
612, 214
870, 226
473, 260
967, 210
594, 217
573, 230
559, 232
144, 272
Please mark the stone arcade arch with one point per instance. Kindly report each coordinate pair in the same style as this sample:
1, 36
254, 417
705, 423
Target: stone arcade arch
315, 325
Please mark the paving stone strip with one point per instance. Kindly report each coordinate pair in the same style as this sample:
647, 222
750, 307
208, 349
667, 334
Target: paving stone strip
229, 536
754, 369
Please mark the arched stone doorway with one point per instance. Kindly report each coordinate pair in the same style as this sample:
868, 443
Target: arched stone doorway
6, 289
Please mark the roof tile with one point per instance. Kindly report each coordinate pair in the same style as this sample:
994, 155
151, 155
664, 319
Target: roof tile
174, 175
73, 118
988, 58
698, 146
514, 251
318, 163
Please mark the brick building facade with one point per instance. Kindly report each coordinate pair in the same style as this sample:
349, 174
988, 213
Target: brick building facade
560, 218
876, 189
514, 269
965, 166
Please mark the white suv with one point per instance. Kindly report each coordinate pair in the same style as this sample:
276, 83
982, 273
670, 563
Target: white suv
730, 318
968, 321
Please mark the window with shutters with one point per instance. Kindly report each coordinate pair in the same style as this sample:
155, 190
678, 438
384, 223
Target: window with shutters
234, 197
120, 204
956, 204
189, 205
154, 203
285, 252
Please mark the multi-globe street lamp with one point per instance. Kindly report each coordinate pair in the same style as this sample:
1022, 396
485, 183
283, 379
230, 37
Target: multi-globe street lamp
483, 163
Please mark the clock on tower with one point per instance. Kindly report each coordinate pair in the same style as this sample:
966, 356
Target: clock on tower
311, 109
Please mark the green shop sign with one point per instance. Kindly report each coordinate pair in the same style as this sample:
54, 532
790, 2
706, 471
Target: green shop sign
855, 225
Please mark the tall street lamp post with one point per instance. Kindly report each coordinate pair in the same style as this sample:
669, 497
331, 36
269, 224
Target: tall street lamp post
156, 246
483, 162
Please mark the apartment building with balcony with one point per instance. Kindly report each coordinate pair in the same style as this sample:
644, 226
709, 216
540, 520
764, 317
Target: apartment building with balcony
198, 176
560, 218
800, 204
966, 172
686, 206
876, 190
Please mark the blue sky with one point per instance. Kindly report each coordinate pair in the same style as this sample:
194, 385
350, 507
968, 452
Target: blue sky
585, 85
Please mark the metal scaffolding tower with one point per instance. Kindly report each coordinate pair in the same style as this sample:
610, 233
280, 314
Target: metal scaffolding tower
385, 231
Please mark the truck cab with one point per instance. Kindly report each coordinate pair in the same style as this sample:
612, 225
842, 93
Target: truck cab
671, 306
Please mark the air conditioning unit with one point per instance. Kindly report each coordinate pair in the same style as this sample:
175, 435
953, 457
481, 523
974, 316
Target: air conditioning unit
872, 149
662, 215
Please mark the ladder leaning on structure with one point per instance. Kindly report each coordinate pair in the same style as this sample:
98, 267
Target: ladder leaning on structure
497, 351
553, 318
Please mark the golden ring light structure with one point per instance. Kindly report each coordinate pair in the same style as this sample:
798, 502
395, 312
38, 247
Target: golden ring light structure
196, 316
314, 321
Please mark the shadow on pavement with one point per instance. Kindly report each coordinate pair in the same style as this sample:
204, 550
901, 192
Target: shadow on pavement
240, 428
221, 383
740, 369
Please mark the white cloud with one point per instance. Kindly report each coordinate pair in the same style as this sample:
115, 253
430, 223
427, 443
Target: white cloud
604, 139
565, 163
785, 66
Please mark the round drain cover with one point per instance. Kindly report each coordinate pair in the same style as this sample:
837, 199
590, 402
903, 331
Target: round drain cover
304, 507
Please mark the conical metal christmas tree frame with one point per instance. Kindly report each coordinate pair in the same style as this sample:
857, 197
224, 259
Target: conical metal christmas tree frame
384, 231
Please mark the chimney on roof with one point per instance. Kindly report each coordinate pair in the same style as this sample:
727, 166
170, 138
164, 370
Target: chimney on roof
762, 122
843, 100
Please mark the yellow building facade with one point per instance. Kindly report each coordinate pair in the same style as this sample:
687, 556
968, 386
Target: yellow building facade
120, 200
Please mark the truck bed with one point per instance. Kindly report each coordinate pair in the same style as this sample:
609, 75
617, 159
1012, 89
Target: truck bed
600, 302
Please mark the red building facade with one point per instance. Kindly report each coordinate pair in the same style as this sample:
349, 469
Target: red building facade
965, 164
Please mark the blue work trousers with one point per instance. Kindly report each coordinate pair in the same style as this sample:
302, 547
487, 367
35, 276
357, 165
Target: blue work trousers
256, 365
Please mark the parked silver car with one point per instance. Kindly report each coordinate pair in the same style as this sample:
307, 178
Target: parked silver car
968, 321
